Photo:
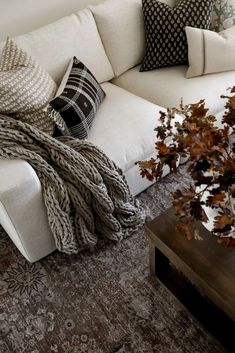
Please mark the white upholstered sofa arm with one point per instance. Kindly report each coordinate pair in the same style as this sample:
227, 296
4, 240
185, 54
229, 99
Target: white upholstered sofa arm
22, 210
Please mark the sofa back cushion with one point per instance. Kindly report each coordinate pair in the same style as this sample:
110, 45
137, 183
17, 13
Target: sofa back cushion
55, 44
121, 27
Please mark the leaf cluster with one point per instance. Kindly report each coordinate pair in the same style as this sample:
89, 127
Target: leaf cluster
210, 151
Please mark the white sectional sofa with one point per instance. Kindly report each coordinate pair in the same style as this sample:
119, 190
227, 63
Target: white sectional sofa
109, 39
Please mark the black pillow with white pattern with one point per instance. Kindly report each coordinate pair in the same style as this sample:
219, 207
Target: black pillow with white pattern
78, 101
166, 43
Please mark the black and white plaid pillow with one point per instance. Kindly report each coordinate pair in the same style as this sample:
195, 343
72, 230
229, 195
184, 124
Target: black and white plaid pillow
79, 101
166, 42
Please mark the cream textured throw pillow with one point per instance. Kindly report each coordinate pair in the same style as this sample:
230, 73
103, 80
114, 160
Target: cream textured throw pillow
210, 52
25, 88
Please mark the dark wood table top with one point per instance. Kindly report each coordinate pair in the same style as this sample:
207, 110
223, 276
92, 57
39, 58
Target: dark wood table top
209, 265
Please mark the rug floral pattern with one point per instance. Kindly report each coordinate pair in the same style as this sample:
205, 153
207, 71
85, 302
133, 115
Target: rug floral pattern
223, 15
101, 301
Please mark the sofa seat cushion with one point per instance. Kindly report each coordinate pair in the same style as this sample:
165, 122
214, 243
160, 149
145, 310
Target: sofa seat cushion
55, 44
124, 126
166, 86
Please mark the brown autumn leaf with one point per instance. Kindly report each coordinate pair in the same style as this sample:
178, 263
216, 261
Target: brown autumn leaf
162, 148
161, 132
162, 117
217, 198
198, 149
172, 162
148, 169
146, 174
197, 211
232, 102
185, 194
222, 220
229, 118
192, 127
226, 180
188, 141
198, 109
232, 89
229, 164
182, 200
212, 137
150, 164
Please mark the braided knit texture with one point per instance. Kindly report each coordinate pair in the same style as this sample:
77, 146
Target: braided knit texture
85, 193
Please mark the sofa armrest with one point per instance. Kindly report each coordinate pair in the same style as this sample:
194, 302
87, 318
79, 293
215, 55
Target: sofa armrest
22, 210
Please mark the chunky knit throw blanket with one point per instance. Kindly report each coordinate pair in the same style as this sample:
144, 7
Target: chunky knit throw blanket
85, 193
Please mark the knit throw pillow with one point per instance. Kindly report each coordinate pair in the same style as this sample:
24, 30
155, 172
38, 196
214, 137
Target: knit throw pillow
166, 43
25, 88
223, 16
77, 100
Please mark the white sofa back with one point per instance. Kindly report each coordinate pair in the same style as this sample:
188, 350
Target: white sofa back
116, 46
121, 27
55, 44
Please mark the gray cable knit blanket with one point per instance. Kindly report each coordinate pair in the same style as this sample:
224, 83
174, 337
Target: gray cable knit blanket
85, 193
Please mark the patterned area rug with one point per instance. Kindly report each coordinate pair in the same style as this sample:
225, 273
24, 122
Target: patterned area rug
99, 302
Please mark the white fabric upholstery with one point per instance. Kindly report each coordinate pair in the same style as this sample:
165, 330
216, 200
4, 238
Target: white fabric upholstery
210, 52
124, 129
121, 27
167, 86
135, 181
22, 211
124, 126
76, 35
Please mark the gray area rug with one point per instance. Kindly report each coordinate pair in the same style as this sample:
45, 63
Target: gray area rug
99, 302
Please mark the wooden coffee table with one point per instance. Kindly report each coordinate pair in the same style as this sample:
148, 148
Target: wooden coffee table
207, 264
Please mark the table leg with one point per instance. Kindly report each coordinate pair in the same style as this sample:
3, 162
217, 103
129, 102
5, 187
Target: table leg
162, 264
152, 259
158, 263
